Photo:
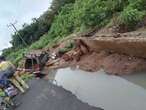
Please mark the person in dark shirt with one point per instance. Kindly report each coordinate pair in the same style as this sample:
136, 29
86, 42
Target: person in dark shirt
9, 74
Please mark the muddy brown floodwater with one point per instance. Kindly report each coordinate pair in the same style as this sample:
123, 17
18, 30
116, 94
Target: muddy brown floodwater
106, 91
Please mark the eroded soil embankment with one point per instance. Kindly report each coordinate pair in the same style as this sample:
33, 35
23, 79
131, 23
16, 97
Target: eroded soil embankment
111, 63
115, 53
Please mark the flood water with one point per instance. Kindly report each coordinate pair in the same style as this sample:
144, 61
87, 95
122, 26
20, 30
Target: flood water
101, 90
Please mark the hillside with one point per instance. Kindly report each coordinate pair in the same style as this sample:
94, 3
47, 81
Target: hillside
78, 16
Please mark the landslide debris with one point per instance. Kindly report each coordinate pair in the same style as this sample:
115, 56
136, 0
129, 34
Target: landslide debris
116, 53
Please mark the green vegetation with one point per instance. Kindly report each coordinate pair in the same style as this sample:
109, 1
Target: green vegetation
39, 26
17, 55
2, 93
26, 77
70, 16
67, 48
133, 13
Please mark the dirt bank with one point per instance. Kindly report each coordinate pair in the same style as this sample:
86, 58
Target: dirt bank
122, 64
91, 61
111, 63
114, 52
131, 44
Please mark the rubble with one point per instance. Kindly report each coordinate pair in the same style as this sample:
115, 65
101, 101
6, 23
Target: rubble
115, 53
91, 61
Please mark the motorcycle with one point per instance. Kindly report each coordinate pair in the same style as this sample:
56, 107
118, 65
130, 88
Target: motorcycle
6, 101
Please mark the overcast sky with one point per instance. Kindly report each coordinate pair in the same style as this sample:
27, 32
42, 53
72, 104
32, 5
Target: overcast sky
22, 11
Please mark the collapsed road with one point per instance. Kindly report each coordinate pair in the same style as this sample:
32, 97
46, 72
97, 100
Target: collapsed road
45, 95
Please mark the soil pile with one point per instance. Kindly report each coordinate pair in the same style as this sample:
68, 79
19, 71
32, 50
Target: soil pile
123, 64
116, 53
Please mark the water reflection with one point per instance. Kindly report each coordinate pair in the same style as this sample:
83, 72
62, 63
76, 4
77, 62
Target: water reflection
102, 90
137, 78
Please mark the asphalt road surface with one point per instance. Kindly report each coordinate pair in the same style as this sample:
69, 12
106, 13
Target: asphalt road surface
43, 95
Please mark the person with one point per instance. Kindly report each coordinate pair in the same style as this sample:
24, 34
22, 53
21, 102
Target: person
8, 73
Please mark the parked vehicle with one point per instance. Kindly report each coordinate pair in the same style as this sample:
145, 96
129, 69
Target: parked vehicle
35, 61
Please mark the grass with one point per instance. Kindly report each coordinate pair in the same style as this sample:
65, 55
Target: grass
83, 15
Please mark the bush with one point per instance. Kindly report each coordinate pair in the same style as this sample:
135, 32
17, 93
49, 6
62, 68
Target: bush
44, 40
79, 17
16, 56
131, 17
140, 5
